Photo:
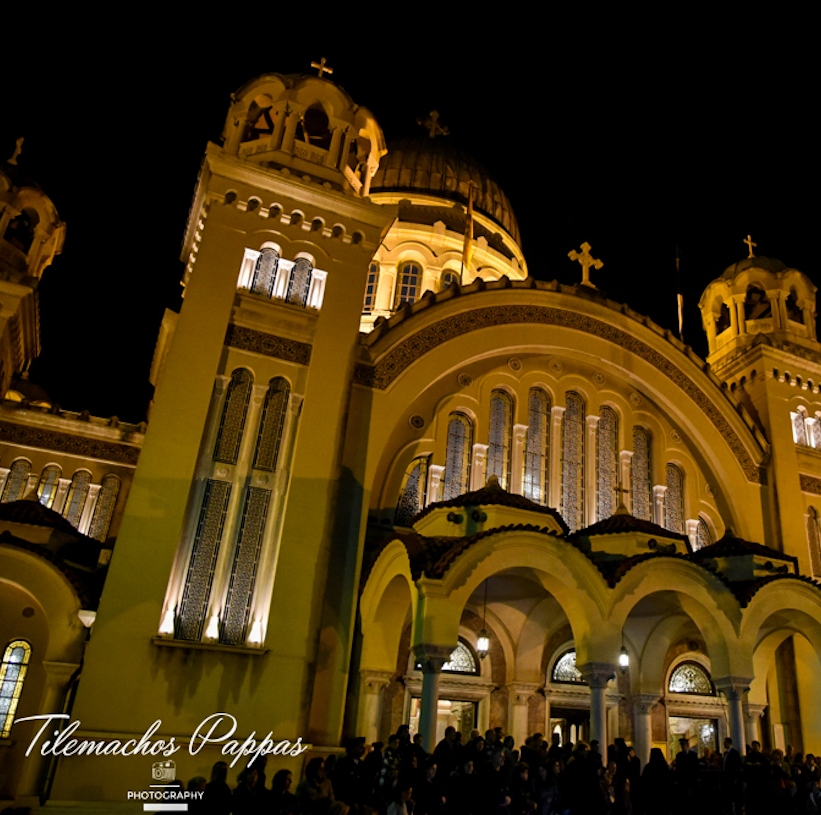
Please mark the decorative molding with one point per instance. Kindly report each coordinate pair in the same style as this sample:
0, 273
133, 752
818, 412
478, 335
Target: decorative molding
41, 438
401, 356
269, 345
809, 483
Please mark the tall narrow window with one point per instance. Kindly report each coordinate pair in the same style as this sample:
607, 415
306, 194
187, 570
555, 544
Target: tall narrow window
104, 510
640, 475
232, 423
265, 271
607, 462
534, 482
799, 429
703, 536
16, 481
814, 432
457, 464
370, 288
49, 481
407, 288
13, 670
814, 541
573, 461
674, 500
271, 425
414, 488
299, 285
76, 499
499, 438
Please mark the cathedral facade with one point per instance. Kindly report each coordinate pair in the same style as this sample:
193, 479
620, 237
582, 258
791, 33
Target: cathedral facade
390, 478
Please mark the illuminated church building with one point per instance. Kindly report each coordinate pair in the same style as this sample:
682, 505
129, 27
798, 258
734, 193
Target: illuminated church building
334, 504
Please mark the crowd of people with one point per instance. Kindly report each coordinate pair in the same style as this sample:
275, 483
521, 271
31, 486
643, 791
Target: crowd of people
489, 776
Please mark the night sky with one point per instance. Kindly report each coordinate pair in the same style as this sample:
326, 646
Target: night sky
632, 139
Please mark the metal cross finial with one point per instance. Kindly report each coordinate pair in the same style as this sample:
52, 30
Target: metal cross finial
431, 124
586, 260
750, 245
17, 150
321, 68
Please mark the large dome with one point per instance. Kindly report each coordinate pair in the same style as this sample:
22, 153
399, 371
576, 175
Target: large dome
435, 167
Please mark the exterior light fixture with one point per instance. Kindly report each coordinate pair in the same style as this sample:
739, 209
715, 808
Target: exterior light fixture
624, 658
483, 643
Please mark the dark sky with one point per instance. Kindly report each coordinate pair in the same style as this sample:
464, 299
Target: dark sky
634, 135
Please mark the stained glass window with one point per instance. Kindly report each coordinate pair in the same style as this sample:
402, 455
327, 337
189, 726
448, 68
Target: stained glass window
76, 499
799, 431
461, 661
244, 568
49, 481
501, 429
412, 497
565, 669
640, 475
13, 670
573, 462
607, 461
689, 677
194, 603
457, 464
703, 537
534, 483
674, 500
233, 417
16, 481
814, 541
104, 511
271, 424
407, 289
265, 272
299, 285
370, 288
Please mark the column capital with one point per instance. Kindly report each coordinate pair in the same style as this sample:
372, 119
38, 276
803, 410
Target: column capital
754, 711
59, 673
432, 657
733, 687
520, 692
645, 702
597, 674
374, 681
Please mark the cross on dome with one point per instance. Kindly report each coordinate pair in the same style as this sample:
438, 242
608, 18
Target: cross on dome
586, 260
750, 244
321, 67
431, 124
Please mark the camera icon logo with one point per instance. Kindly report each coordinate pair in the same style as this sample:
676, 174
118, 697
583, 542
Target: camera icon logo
163, 771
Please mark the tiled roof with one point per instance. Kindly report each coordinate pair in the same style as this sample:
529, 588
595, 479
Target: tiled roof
624, 522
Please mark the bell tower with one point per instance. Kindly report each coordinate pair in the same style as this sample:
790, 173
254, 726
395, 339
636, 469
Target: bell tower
219, 588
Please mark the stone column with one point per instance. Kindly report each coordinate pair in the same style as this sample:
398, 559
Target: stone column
554, 478
752, 715
734, 688
58, 675
517, 459
519, 694
436, 472
597, 675
432, 657
370, 703
643, 706
658, 504
591, 452
737, 318
332, 159
478, 477
290, 130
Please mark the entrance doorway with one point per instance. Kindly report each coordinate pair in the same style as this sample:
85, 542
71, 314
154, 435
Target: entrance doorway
450, 713
700, 732
573, 724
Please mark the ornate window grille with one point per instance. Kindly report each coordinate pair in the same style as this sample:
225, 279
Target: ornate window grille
814, 541
272, 424
674, 500
501, 430
640, 475
414, 489
234, 411
13, 671
534, 482
299, 286
265, 272
370, 288
565, 669
457, 464
16, 481
690, 677
104, 511
76, 499
703, 536
407, 289
49, 481
799, 429
462, 661
607, 460
573, 461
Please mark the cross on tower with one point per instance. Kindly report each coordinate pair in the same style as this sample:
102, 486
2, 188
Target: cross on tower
431, 124
320, 67
586, 260
750, 245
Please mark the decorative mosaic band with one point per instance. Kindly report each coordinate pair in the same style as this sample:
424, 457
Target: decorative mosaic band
269, 345
401, 356
810, 483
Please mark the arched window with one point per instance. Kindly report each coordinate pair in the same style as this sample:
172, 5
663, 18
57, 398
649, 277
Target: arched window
314, 127
20, 231
607, 460
370, 288
49, 481
814, 541
640, 475
703, 536
723, 319
674, 500
13, 669
462, 661
265, 271
794, 310
573, 461
76, 499
565, 669
299, 286
799, 427
414, 489
269, 438
104, 510
499, 438
690, 677
232, 423
457, 463
448, 279
16, 481
756, 304
409, 279
534, 483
